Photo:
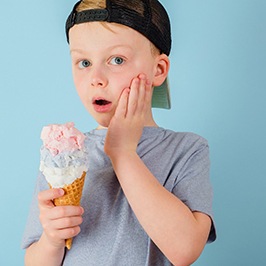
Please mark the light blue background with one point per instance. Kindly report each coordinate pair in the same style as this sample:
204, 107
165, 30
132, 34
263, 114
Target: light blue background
218, 84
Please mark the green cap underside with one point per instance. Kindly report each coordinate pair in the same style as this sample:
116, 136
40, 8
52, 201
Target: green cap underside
161, 96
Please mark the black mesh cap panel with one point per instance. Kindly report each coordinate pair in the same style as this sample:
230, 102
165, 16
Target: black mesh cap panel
145, 16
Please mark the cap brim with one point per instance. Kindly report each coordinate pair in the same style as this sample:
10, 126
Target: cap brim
161, 96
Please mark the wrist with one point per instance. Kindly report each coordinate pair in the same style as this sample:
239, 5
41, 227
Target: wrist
43, 251
51, 248
123, 161
122, 155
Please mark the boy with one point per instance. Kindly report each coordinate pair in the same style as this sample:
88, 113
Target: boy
147, 196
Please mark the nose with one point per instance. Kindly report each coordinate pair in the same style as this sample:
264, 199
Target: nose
98, 78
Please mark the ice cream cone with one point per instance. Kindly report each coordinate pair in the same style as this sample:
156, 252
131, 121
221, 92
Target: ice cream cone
64, 157
72, 196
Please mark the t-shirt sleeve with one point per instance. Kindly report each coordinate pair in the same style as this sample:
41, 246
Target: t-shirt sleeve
33, 229
193, 184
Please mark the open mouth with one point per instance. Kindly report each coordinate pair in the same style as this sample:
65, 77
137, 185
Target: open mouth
102, 105
101, 102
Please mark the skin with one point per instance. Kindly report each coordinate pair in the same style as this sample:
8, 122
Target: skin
117, 66
105, 78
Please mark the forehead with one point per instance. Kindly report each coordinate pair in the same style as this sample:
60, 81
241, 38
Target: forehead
104, 34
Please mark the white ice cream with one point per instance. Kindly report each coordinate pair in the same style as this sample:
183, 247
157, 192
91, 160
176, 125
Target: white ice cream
59, 177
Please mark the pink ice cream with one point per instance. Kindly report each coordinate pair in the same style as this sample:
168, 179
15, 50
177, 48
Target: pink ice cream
63, 154
61, 138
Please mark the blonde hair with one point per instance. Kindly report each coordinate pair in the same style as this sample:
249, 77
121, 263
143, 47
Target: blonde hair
91, 4
95, 4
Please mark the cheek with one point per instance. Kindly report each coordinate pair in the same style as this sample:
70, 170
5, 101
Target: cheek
76, 79
79, 89
146, 68
79, 84
119, 82
82, 92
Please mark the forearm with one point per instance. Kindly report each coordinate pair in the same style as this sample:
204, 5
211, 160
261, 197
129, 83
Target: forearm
40, 252
166, 219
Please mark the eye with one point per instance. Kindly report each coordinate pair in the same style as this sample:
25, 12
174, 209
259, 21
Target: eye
84, 64
117, 60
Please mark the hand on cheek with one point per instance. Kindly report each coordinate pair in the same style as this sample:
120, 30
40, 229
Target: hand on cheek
125, 128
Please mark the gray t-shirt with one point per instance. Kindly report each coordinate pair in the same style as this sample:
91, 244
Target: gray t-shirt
110, 233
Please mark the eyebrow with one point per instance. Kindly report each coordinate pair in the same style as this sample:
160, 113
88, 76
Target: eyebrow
80, 51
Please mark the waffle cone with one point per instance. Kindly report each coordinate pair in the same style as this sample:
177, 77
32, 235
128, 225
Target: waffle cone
72, 196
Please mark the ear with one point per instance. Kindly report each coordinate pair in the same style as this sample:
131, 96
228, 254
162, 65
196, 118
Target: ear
161, 69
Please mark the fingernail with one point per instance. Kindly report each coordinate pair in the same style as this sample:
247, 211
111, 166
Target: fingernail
137, 80
142, 76
61, 192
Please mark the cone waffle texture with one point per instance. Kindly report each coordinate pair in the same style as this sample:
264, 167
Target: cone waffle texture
72, 196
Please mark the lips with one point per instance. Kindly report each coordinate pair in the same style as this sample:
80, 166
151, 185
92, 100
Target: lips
101, 105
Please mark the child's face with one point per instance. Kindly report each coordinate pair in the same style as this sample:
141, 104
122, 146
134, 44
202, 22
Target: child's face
104, 62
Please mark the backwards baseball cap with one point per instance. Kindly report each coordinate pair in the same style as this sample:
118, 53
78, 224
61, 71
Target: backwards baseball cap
148, 17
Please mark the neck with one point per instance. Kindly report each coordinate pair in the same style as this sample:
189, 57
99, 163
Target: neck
150, 123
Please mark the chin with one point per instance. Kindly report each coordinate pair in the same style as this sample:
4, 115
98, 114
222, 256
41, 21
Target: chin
103, 122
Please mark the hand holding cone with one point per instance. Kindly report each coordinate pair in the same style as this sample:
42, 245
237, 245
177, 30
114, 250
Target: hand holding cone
72, 196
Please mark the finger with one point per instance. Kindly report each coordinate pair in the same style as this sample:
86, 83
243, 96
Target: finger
133, 97
46, 197
59, 235
121, 110
68, 232
141, 94
148, 96
60, 212
67, 222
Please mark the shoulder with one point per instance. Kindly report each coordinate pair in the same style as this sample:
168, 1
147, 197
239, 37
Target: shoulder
187, 145
186, 137
174, 145
182, 140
